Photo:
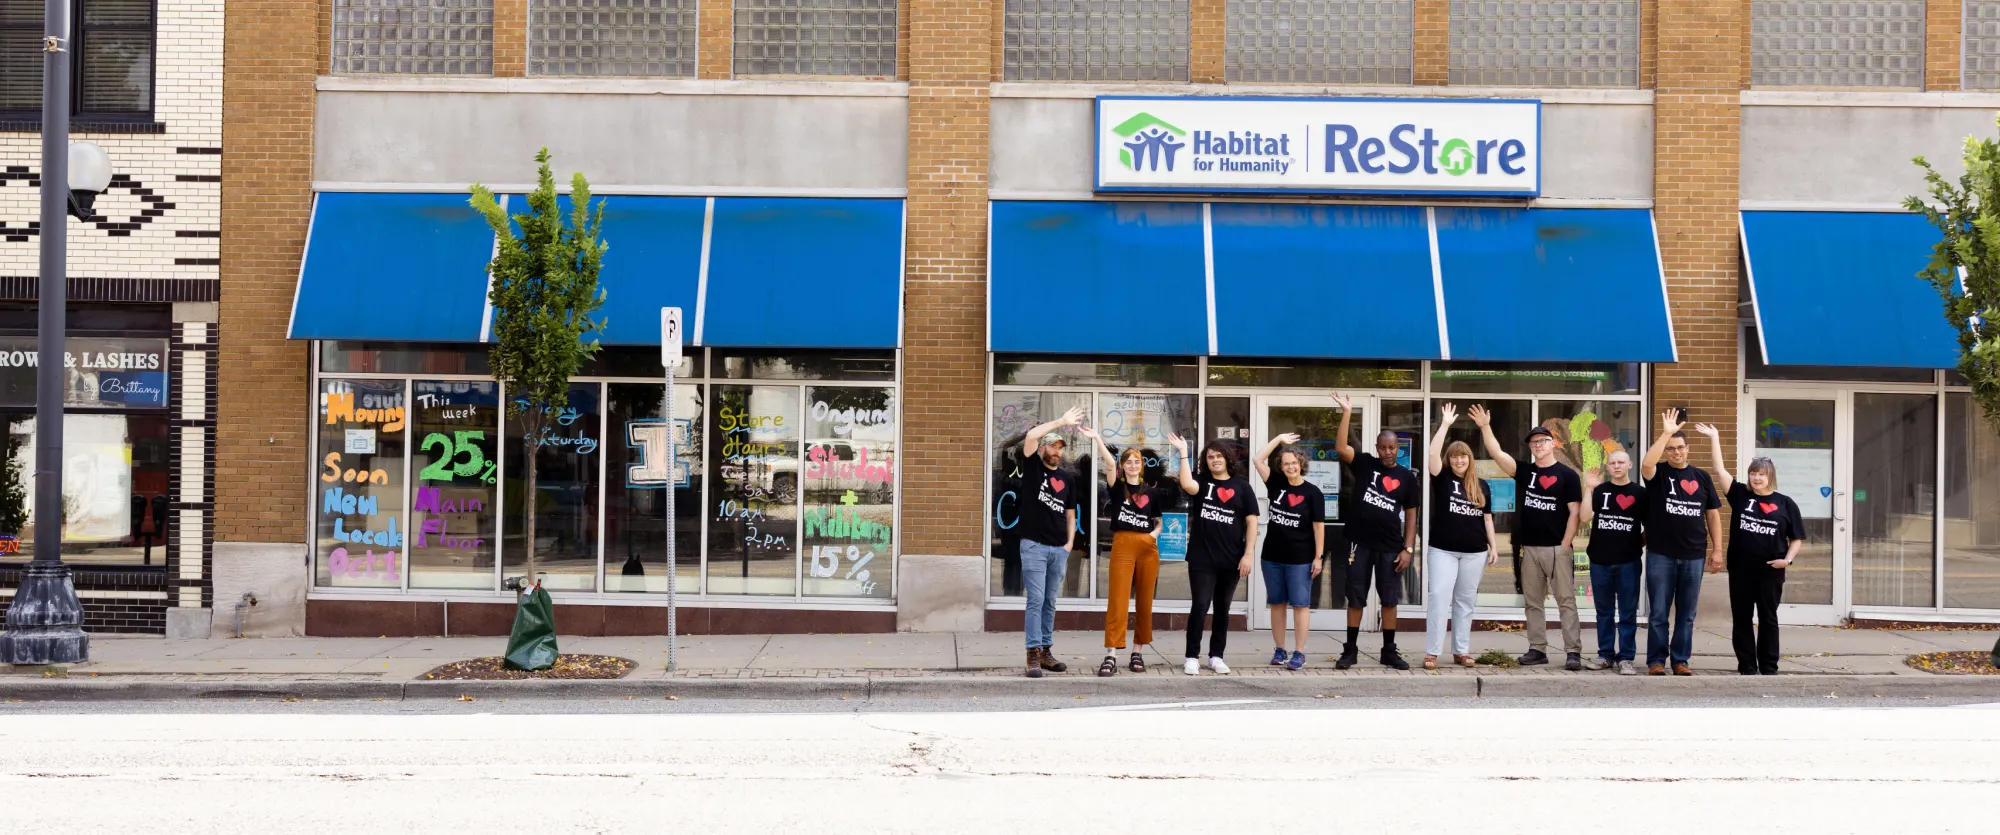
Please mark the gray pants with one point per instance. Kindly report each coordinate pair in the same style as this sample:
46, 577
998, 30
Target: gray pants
1546, 569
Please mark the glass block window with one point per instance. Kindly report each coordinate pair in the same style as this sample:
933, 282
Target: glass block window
1568, 43
1982, 44
1838, 44
1320, 41
413, 37
816, 37
1096, 40
612, 37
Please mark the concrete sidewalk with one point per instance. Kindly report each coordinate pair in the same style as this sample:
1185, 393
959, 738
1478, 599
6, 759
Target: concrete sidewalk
1836, 661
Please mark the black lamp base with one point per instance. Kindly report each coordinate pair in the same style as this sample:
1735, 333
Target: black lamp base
44, 622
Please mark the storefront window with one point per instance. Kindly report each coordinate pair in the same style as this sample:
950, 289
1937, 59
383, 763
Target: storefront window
850, 491
567, 492
1798, 436
454, 509
1317, 374
1144, 421
753, 520
1895, 491
114, 488
1014, 413
350, 357
635, 538
1971, 507
1537, 378
1123, 372
360, 531
860, 366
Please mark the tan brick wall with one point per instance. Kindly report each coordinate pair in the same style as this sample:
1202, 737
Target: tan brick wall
944, 380
510, 38
1649, 43
272, 51
1431, 57
999, 42
1695, 165
715, 38
1208, 24
1944, 38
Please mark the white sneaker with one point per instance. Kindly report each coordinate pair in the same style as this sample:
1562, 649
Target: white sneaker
1192, 667
1627, 668
1216, 664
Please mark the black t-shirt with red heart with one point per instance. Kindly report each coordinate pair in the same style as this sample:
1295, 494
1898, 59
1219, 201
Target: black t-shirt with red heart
1222, 513
1677, 505
1761, 528
1296, 510
1046, 495
1541, 514
1617, 534
1385, 492
1134, 508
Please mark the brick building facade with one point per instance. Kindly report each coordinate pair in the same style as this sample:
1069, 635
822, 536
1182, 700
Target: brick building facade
1712, 118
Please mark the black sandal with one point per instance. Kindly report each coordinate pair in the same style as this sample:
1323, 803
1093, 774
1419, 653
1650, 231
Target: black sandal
1109, 667
1138, 663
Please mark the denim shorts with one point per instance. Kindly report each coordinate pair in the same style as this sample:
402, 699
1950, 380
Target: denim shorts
1288, 585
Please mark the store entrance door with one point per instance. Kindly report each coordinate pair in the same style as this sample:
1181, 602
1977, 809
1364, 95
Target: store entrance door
1316, 420
1803, 434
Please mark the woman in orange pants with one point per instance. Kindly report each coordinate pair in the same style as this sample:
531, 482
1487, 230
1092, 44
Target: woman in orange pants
1135, 553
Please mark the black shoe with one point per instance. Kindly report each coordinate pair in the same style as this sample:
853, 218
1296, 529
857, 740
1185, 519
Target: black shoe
1392, 658
1533, 657
1770, 672
1348, 656
1574, 663
1746, 671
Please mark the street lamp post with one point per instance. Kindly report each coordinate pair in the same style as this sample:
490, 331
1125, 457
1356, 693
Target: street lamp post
44, 622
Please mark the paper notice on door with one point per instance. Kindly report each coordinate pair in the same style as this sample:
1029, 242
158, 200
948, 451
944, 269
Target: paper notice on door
1806, 475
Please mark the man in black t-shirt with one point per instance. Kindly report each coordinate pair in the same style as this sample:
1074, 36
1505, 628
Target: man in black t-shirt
1048, 530
1683, 527
1616, 509
1383, 530
1548, 495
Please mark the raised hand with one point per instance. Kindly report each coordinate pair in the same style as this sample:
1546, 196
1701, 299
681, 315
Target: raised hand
1706, 429
1446, 414
1480, 417
1345, 403
1669, 423
1289, 438
1087, 432
1179, 443
1073, 417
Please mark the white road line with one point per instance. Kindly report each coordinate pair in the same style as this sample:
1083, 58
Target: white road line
1165, 705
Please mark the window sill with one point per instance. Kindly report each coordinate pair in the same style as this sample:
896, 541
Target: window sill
83, 126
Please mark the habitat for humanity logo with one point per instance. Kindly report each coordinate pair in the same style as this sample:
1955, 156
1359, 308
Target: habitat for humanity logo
1150, 141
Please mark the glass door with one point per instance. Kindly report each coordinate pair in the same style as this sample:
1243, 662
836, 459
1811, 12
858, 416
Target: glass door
1801, 433
1893, 500
1316, 420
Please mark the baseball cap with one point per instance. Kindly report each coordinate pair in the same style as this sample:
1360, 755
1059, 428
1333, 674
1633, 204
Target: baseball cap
1540, 430
1053, 438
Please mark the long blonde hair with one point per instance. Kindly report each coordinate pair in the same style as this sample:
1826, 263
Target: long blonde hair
1472, 492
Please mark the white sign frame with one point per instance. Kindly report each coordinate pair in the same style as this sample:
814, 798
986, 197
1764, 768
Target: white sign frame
1273, 118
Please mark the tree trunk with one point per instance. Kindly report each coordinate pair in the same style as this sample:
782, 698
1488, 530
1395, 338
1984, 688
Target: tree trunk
533, 418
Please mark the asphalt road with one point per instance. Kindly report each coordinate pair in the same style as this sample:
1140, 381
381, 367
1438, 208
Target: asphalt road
1435, 766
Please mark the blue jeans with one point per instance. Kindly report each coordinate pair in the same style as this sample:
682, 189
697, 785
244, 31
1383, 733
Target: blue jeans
1671, 585
1616, 589
1042, 568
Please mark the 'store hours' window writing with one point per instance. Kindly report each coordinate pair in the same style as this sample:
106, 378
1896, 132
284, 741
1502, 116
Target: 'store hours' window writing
753, 514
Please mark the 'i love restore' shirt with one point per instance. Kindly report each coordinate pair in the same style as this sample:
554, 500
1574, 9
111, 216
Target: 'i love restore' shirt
1046, 495
1763, 527
1295, 510
1617, 535
1546, 493
1222, 513
1677, 501
1378, 512
1134, 507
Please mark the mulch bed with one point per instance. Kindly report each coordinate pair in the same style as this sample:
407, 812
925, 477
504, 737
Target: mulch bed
1908, 626
494, 668
1955, 663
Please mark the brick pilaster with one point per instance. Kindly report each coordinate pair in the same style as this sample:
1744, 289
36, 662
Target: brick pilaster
951, 66
1944, 40
715, 39
1649, 43
998, 47
1208, 24
273, 50
1431, 58
1695, 166
510, 38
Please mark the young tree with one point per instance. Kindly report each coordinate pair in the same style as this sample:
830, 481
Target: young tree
544, 296
1965, 265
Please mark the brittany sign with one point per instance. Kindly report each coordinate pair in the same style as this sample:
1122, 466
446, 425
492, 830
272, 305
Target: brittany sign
1486, 147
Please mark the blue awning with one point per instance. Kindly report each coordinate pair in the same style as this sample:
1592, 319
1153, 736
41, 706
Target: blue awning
1553, 285
1841, 288
792, 272
748, 272
403, 267
1081, 277
1296, 280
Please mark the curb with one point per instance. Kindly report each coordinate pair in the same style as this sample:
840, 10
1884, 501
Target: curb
947, 687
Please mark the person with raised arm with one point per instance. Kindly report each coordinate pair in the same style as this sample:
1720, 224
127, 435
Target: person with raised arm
1048, 532
1293, 544
1460, 547
1616, 512
1383, 533
1550, 498
1221, 537
1135, 552
1683, 536
1766, 532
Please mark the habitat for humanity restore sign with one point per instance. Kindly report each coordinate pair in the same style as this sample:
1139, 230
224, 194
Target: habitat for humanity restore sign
1327, 145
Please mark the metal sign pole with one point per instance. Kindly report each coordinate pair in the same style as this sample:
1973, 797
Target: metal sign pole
670, 356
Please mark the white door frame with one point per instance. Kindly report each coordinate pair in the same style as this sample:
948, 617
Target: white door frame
1814, 614
1369, 404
